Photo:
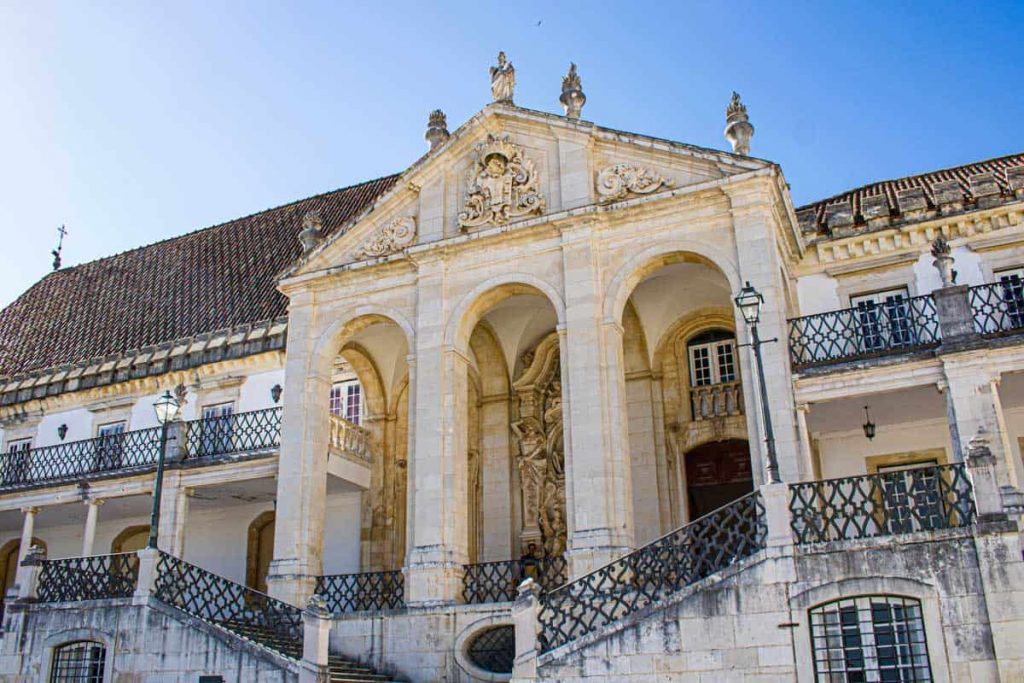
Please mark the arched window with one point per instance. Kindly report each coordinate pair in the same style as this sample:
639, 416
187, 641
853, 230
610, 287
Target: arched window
81, 661
870, 638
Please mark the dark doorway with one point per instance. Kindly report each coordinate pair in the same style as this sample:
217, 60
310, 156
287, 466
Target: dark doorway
717, 473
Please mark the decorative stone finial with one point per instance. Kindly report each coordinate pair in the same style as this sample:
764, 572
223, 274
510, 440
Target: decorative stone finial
738, 129
503, 80
317, 604
572, 97
34, 555
943, 261
310, 235
437, 129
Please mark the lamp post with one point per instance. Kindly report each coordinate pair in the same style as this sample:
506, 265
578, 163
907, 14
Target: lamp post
166, 408
749, 301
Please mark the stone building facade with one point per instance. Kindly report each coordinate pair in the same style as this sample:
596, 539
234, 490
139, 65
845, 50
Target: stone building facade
499, 416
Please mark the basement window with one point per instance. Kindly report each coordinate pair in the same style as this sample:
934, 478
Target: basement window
81, 661
869, 639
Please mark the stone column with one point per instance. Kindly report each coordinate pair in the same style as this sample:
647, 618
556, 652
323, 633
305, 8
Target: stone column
438, 454
29, 569
174, 505
806, 452
973, 405
27, 528
302, 464
92, 508
593, 403
754, 228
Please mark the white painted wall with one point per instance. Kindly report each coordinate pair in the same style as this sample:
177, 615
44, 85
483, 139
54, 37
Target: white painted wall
843, 453
341, 533
818, 293
254, 394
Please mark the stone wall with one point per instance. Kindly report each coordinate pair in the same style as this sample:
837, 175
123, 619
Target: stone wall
144, 642
750, 623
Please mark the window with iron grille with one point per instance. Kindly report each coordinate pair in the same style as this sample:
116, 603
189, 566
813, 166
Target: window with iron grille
16, 464
79, 662
870, 639
110, 445
712, 358
493, 650
218, 429
346, 401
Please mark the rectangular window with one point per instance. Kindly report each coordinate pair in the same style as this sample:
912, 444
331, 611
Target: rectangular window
346, 401
883, 319
17, 462
1011, 283
109, 446
218, 429
713, 363
913, 498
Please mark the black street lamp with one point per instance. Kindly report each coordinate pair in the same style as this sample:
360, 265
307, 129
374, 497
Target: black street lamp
166, 408
749, 301
868, 426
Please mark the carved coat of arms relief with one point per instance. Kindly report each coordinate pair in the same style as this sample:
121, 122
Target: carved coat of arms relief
624, 180
503, 185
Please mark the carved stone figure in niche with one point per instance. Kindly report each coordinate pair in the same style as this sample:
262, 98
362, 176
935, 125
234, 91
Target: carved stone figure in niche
502, 186
541, 458
503, 80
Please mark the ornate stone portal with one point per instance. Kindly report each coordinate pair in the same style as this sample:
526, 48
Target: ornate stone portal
540, 456
503, 185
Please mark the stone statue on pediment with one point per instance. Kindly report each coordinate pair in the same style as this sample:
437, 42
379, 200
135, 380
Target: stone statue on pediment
503, 80
503, 185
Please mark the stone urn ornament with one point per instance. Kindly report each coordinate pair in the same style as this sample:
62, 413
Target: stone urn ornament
943, 261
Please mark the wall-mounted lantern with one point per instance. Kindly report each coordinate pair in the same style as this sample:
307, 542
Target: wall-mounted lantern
62, 431
275, 393
868, 426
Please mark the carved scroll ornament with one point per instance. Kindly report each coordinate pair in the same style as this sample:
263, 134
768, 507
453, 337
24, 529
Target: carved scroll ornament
395, 235
621, 180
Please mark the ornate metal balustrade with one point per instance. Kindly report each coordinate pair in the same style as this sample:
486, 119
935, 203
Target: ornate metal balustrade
78, 459
250, 431
220, 601
632, 582
88, 578
899, 502
367, 591
851, 333
716, 400
138, 449
498, 581
997, 308
350, 438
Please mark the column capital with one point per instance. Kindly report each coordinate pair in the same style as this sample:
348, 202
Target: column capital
31, 510
94, 502
804, 407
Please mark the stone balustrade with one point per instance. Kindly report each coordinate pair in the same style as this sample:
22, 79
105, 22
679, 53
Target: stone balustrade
717, 400
351, 439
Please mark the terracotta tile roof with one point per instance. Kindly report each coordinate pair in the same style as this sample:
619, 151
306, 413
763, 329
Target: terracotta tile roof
218, 277
815, 215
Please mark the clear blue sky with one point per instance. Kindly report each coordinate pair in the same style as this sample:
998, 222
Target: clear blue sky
135, 121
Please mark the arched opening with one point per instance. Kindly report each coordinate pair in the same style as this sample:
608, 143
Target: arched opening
683, 386
259, 551
515, 454
717, 473
367, 403
131, 539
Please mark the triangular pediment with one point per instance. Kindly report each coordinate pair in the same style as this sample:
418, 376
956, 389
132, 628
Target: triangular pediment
508, 164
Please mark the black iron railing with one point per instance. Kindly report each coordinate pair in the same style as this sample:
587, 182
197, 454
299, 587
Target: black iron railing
220, 601
863, 332
367, 591
498, 581
250, 431
632, 582
898, 502
77, 459
997, 308
88, 578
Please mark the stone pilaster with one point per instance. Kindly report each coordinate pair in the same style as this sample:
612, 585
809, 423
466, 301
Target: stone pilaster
438, 455
593, 398
759, 263
302, 465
